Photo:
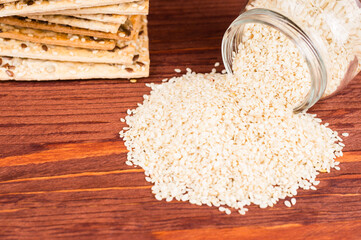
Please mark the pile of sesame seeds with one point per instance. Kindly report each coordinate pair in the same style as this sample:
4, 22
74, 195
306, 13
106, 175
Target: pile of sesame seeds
232, 141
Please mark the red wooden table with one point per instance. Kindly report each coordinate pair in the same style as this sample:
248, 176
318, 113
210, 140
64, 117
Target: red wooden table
62, 170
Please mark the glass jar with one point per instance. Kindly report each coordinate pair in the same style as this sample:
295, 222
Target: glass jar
326, 32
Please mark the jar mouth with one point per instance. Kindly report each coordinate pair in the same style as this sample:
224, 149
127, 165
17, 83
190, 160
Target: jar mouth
318, 73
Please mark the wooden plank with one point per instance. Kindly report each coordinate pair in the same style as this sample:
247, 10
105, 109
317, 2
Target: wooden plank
62, 164
287, 231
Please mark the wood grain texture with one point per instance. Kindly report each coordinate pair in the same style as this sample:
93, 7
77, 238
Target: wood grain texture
62, 171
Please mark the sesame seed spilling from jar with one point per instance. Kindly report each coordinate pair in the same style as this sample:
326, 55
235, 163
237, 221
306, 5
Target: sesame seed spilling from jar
230, 141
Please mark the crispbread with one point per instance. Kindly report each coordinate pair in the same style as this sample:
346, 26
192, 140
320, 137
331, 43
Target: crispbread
40, 70
37, 6
134, 22
7, 1
21, 49
123, 54
54, 38
108, 18
78, 22
133, 8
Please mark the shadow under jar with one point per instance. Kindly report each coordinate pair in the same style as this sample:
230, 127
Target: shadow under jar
326, 32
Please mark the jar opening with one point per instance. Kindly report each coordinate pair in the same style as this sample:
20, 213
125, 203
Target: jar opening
307, 47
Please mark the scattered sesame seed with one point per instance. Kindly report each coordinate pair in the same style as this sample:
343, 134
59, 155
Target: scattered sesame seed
242, 212
287, 203
228, 212
263, 206
316, 183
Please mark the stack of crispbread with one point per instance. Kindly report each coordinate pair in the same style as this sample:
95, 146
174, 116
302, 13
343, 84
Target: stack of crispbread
73, 39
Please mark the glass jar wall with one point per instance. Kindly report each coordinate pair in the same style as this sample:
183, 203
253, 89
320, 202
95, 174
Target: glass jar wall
326, 32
